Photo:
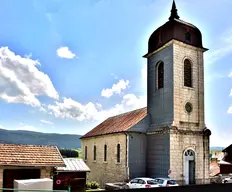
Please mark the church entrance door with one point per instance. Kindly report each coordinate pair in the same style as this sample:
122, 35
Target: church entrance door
191, 172
189, 167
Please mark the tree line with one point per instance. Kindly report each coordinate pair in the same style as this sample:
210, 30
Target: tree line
68, 153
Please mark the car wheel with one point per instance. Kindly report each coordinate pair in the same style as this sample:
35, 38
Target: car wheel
225, 181
126, 187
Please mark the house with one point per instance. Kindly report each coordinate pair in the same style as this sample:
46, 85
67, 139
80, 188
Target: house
169, 136
27, 162
74, 175
226, 163
217, 156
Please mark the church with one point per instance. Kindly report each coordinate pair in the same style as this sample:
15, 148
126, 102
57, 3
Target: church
168, 138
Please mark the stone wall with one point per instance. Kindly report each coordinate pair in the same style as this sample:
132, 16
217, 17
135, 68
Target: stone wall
46, 172
106, 171
194, 94
179, 143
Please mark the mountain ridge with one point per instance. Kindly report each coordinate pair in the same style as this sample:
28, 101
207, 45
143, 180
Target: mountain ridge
68, 141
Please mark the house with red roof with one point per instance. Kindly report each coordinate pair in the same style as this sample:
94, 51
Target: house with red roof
19, 162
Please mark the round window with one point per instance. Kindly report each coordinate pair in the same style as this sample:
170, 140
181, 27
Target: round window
188, 107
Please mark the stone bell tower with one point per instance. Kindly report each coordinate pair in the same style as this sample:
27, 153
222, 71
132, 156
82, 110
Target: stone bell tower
178, 140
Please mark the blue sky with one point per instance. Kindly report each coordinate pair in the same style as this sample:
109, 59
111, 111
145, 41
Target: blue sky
67, 65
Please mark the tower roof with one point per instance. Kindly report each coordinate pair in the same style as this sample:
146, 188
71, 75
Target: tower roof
174, 29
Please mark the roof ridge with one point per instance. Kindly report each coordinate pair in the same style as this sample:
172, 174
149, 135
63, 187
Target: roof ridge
29, 145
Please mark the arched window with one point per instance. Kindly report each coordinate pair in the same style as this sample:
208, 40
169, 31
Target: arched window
105, 152
189, 152
188, 36
187, 73
118, 153
160, 75
94, 152
85, 152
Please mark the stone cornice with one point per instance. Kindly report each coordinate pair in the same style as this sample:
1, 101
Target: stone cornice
175, 130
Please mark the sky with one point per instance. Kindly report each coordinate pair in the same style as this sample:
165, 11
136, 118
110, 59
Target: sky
65, 66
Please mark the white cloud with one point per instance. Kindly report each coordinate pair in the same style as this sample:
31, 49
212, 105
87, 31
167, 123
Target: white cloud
224, 48
230, 75
229, 110
73, 110
64, 52
1, 127
42, 109
21, 81
116, 88
90, 111
46, 122
115, 76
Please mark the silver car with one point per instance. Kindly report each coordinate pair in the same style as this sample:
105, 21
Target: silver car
227, 180
142, 182
166, 182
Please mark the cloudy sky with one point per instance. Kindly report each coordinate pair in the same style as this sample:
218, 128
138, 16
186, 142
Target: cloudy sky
67, 65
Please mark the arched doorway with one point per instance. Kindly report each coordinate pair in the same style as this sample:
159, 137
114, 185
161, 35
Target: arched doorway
189, 167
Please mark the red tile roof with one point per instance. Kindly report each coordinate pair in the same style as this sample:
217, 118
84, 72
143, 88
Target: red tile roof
30, 155
214, 169
118, 123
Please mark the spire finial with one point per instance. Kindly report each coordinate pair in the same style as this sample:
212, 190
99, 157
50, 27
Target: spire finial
174, 14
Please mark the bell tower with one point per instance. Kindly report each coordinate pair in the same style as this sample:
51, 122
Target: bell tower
177, 135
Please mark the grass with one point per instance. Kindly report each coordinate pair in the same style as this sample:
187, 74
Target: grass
95, 190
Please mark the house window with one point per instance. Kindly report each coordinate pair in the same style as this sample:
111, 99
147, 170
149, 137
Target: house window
118, 153
105, 152
187, 73
85, 152
94, 152
160, 75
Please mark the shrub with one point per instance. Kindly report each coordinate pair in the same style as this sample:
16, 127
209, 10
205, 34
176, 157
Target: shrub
88, 185
92, 185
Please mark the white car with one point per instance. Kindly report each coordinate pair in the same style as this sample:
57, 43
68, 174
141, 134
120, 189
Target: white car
166, 182
227, 180
142, 182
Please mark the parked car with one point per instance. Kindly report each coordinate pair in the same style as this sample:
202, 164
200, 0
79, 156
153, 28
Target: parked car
166, 182
227, 180
142, 182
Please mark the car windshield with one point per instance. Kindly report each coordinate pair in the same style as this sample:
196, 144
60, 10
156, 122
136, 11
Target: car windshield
159, 181
151, 182
171, 182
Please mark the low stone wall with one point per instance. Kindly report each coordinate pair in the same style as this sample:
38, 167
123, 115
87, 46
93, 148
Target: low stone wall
114, 186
